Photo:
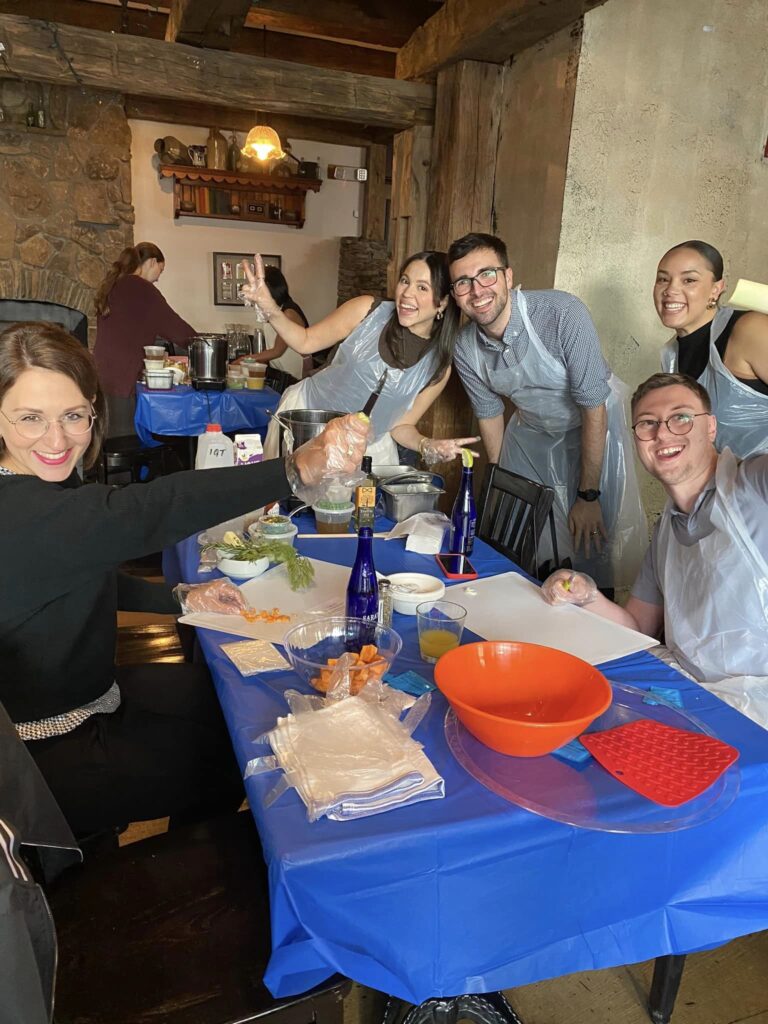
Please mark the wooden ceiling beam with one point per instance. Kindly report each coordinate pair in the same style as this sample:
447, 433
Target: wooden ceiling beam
204, 115
60, 54
210, 23
484, 30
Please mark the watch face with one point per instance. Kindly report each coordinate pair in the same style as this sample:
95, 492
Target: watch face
590, 495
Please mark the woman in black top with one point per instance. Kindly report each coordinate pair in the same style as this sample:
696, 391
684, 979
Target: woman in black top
726, 350
115, 744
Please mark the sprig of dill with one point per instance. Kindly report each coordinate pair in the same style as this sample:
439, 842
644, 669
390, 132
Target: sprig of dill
300, 570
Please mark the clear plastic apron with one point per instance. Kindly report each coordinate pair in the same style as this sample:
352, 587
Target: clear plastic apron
348, 382
716, 601
742, 412
543, 442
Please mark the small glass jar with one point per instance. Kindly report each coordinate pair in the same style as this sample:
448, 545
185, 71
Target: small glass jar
385, 603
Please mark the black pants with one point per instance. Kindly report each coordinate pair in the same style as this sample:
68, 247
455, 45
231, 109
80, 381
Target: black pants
165, 751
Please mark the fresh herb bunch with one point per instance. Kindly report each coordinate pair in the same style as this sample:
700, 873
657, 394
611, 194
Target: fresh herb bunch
300, 570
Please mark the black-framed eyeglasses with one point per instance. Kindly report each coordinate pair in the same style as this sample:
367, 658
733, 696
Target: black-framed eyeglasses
32, 426
485, 279
678, 423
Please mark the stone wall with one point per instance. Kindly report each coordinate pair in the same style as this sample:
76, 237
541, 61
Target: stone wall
362, 268
65, 193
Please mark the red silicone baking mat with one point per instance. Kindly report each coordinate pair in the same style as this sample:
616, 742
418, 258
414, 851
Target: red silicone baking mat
664, 764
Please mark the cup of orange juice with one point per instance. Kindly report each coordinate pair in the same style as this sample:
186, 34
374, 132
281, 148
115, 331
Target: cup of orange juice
440, 625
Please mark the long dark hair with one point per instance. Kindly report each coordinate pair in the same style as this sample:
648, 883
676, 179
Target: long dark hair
33, 343
128, 262
444, 330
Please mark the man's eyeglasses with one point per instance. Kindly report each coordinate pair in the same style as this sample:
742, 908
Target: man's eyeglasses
679, 423
486, 278
33, 426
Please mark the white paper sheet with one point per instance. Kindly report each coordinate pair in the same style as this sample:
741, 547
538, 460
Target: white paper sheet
509, 607
326, 596
750, 295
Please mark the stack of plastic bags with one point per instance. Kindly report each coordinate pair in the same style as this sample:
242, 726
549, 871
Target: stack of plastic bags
349, 757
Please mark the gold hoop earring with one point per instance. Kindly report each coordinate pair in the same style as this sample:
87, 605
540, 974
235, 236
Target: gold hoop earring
712, 303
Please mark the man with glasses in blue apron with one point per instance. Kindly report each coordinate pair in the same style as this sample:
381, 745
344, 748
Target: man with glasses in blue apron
569, 429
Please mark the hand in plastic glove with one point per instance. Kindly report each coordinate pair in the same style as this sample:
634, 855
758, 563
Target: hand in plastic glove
433, 450
220, 596
567, 587
332, 457
257, 290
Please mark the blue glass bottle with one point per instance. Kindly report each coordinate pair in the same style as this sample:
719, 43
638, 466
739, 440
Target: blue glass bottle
463, 516
363, 588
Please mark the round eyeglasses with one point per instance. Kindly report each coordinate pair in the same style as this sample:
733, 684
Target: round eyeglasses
678, 423
486, 278
33, 426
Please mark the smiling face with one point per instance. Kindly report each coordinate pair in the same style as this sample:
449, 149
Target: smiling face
43, 394
686, 291
415, 300
487, 306
681, 462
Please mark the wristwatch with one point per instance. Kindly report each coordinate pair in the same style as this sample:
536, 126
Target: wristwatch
590, 495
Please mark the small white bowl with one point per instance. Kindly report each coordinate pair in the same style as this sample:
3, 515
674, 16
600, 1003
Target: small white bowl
410, 589
238, 570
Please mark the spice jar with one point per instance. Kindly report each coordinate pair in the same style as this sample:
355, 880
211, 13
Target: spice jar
385, 603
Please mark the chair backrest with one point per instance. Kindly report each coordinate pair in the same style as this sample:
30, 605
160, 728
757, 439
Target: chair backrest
513, 513
23, 310
278, 380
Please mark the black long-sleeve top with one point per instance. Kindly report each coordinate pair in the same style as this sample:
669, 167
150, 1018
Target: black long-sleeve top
59, 584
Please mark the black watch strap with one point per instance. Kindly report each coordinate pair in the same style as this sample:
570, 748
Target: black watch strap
590, 495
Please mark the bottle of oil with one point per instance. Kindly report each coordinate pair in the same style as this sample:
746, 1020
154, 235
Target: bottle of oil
365, 497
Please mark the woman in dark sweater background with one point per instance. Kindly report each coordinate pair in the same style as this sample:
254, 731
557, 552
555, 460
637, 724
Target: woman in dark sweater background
132, 313
115, 744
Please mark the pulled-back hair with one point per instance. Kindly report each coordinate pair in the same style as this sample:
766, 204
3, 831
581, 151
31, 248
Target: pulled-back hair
667, 380
49, 347
128, 262
478, 240
443, 334
707, 252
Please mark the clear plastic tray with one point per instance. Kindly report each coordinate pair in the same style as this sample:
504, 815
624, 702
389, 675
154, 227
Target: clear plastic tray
585, 795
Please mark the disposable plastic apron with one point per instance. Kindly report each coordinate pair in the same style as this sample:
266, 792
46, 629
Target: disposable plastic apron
742, 412
350, 380
543, 442
716, 601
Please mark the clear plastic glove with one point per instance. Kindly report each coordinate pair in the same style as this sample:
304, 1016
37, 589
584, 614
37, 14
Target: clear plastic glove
433, 450
567, 587
256, 292
220, 596
330, 460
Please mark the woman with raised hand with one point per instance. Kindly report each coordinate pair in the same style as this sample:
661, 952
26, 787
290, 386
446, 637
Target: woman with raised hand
404, 347
125, 743
724, 349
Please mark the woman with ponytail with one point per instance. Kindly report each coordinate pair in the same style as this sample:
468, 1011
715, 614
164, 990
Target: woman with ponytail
132, 313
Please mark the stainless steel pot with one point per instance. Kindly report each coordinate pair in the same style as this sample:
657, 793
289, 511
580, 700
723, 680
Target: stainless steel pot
208, 357
301, 425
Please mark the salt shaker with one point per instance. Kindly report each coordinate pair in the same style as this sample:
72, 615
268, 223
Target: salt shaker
385, 603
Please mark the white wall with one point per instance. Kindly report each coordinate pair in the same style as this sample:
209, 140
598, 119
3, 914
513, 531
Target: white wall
310, 255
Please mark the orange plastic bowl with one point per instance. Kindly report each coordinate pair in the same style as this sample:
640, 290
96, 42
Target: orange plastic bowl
521, 699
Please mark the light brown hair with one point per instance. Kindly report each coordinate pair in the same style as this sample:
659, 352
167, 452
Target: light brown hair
48, 346
128, 262
667, 380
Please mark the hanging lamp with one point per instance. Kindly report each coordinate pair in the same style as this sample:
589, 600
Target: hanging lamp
263, 143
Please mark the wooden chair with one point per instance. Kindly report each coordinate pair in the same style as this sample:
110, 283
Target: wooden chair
175, 930
513, 513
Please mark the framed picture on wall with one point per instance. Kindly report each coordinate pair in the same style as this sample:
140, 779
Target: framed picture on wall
229, 277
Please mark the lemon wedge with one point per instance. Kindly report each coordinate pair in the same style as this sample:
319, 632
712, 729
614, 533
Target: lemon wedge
230, 537
467, 458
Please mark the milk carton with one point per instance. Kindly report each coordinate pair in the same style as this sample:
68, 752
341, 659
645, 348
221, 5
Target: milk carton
248, 449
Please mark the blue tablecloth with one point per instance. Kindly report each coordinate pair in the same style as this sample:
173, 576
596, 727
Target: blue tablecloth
471, 893
184, 412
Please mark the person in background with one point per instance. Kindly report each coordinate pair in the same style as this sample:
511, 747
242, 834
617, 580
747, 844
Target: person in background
405, 346
279, 356
125, 743
132, 313
705, 575
568, 429
725, 350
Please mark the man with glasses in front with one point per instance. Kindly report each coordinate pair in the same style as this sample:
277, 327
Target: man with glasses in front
705, 575
568, 429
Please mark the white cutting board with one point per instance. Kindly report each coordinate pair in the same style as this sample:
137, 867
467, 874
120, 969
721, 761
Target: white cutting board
509, 607
326, 596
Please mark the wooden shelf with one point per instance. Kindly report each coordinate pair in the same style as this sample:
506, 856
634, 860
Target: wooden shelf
224, 195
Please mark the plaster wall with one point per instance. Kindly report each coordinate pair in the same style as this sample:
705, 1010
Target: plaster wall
310, 256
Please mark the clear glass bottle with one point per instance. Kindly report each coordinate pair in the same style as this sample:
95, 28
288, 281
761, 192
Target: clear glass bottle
463, 516
363, 588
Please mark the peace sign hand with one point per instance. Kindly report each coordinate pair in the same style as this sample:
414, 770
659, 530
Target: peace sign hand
256, 292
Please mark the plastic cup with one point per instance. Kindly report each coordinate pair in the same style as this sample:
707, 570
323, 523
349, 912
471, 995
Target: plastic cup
440, 625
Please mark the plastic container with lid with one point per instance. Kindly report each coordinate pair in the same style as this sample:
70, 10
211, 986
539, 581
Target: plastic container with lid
334, 518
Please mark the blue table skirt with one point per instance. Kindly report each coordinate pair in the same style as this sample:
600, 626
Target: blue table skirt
184, 412
471, 893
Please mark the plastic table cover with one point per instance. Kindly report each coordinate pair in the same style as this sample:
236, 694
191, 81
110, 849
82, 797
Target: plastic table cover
184, 412
471, 894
